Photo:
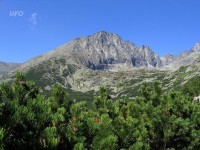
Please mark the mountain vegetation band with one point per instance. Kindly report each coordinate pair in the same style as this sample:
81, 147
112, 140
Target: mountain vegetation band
153, 120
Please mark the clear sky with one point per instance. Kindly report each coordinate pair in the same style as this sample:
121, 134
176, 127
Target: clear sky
167, 26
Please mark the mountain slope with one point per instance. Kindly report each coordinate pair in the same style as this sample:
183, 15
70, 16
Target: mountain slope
83, 64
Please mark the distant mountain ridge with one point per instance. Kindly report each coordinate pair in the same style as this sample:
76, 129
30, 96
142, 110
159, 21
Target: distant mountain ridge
6, 67
183, 59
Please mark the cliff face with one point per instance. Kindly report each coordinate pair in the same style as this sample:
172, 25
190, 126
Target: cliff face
105, 49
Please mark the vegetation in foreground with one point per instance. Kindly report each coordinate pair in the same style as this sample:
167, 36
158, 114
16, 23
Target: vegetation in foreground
152, 121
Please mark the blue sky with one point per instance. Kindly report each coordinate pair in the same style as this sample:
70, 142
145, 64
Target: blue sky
167, 26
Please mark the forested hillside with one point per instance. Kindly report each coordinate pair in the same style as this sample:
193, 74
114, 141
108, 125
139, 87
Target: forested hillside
153, 120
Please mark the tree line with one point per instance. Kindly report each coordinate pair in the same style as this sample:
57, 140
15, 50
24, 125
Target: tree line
153, 120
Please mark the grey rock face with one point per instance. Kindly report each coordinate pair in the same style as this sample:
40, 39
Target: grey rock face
167, 59
183, 59
196, 48
5, 67
101, 51
104, 49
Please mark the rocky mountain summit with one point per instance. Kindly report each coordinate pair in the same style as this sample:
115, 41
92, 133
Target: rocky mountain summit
102, 51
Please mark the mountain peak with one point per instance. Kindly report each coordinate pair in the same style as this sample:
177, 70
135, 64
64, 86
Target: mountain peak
104, 39
105, 35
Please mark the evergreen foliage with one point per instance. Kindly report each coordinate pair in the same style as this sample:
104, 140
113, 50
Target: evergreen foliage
192, 87
152, 120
